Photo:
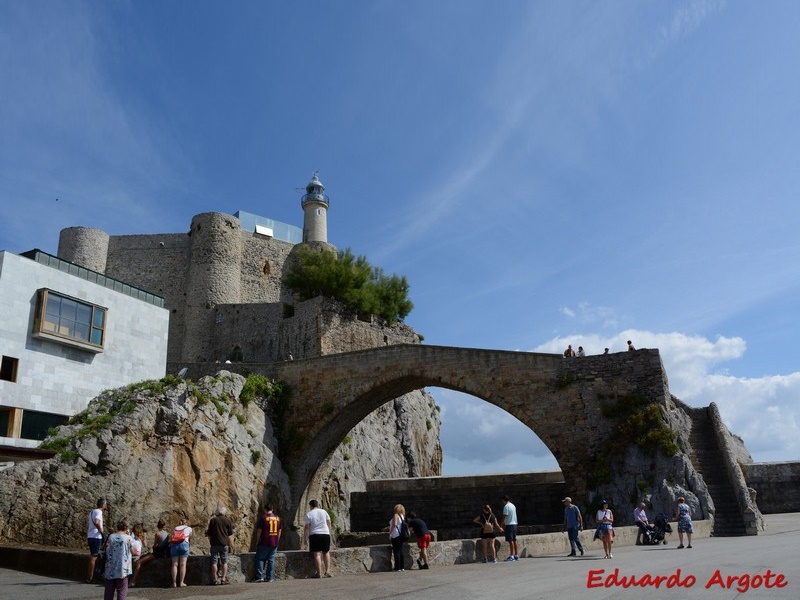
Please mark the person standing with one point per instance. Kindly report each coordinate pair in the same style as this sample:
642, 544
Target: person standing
488, 523
573, 523
94, 536
604, 519
219, 532
509, 525
179, 551
268, 532
423, 535
397, 537
119, 563
317, 531
683, 514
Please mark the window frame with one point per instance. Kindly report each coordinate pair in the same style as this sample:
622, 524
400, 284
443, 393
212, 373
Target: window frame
97, 322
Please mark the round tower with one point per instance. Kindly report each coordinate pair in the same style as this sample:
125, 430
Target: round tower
84, 246
315, 211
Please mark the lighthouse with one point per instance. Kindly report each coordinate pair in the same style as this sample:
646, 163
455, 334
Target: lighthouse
315, 211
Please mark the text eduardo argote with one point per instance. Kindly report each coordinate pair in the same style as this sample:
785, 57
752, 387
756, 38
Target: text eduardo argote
600, 578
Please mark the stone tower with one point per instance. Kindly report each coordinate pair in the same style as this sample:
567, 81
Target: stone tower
315, 212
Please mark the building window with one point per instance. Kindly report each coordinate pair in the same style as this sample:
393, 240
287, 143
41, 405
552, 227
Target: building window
35, 425
8, 369
69, 320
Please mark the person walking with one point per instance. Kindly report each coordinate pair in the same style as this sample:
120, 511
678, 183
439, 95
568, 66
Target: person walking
573, 523
683, 514
179, 552
509, 524
94, 535
423, 535
317, 531
604, 519
219, 532
119, 562
488, 523
268, 533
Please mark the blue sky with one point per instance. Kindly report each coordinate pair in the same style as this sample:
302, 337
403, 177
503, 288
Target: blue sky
543, 173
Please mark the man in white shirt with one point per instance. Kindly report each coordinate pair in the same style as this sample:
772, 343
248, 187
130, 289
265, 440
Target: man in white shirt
317, 532
640, 518
509, 525
94, 536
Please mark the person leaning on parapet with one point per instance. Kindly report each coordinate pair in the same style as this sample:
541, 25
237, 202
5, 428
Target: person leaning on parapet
509, 524
569, 352
644, 526
268, 532
605, 351
580, 351
630, 346
573, 523
94, 536
317, 532
488, 523
219, 532
423, 534
159, 549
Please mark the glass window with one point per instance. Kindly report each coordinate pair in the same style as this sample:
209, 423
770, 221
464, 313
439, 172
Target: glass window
59, 316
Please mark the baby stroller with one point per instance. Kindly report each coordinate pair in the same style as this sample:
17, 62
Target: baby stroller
658, 534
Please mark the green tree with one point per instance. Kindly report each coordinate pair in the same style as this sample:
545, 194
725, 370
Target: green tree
351, 280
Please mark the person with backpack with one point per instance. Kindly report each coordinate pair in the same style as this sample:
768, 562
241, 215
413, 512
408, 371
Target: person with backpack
488, 523
159, 549
179, 551
398, 536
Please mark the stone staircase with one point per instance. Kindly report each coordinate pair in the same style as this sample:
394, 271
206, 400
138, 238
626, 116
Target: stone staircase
707, 459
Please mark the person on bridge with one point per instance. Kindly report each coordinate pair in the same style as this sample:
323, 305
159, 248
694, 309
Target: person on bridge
488, 523
573, 523
423, 534
509, 523
569, 352
317, 532
630, 346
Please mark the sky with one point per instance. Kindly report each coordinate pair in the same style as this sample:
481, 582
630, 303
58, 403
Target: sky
543, 173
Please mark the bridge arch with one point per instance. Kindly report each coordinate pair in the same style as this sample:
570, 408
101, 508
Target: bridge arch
554, 397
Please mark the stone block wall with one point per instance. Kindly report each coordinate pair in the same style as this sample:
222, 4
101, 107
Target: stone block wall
449, 504
777, 485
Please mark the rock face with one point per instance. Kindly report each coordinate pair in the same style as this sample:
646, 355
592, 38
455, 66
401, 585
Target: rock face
152, 454
400, 439
181, 449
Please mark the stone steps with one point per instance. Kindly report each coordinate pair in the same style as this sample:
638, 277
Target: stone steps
728, 520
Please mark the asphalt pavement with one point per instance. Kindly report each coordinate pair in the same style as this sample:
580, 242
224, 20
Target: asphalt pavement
755, 567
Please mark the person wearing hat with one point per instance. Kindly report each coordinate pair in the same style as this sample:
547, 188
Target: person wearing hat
604, 519
573, 523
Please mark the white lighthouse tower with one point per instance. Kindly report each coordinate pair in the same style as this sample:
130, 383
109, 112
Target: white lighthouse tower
315, 211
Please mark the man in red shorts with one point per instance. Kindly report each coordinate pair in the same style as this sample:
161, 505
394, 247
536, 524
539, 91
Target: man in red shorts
423, 534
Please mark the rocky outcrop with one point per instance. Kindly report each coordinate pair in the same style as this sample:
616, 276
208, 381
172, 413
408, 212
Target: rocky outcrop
153, 451
173, 449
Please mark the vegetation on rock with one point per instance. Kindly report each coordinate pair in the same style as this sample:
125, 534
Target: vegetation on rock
351, 280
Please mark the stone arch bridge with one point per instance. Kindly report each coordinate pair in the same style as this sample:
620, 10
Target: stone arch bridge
557, 398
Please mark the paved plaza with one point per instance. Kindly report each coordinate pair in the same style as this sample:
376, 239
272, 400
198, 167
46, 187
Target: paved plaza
764, 566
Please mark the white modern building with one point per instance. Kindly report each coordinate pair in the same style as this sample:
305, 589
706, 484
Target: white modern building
66, 334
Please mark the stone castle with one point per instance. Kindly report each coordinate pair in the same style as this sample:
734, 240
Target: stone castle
222, 284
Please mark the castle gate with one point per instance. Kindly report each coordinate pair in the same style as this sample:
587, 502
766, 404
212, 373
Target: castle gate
557, 398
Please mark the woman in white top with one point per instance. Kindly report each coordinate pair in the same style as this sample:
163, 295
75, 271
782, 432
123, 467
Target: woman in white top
604, 519
396, 538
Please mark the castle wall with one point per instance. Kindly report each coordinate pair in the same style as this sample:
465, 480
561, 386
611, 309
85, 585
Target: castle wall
777, 485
